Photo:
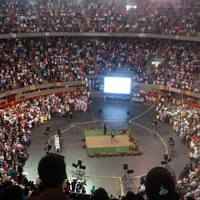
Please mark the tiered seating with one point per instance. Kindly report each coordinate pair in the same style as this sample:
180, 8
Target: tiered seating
162, 17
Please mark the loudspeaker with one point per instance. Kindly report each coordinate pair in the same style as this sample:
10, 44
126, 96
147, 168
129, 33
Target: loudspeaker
130, 171
165, 157
125, 166
100, 111
128, 112
79, 162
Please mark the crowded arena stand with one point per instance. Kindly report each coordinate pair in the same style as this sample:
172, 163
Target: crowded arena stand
32, 61
166, 17
37, 62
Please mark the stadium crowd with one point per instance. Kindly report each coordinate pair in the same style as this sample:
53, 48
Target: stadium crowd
185, 120
162, 17
17, 122
26, 62
179, 70
20, 119
32, 62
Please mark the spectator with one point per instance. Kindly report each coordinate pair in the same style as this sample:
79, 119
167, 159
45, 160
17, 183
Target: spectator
67, 185
12, 192
100, 194
130, 195
92, 191
160, 185
26, 193
52, 172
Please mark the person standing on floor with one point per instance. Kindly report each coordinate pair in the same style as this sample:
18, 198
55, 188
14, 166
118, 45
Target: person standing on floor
93, 190
105, 128
112, 138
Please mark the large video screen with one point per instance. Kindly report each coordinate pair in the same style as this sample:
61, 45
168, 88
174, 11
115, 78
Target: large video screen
117, 85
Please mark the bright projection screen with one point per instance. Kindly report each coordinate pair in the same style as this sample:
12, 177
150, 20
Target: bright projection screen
117, 85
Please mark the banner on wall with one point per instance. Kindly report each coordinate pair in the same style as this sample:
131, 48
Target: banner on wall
171, 89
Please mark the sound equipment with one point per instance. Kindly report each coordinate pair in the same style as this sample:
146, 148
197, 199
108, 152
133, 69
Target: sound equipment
74, 165
83, 167
125, 166
130, 171
79, 162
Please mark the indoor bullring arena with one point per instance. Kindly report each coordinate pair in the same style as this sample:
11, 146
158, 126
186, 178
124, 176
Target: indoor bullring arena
100, 99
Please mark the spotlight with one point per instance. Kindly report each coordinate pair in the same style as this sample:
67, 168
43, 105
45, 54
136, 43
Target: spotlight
74, 165
83, 167
130, 171
125, 166
79, 163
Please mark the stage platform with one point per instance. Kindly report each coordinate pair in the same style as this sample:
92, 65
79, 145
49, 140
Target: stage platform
98, 144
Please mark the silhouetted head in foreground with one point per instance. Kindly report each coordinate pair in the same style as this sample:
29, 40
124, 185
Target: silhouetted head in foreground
160, 185
12, 192
52, 170
100, 194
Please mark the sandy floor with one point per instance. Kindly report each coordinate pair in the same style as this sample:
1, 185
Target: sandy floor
105, 141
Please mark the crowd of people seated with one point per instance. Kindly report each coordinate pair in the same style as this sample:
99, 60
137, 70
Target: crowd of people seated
17, 122
174, 18
125, 53
36, 61
33, 62
26, 62
162, 17
180, 68
66, 59
185, 120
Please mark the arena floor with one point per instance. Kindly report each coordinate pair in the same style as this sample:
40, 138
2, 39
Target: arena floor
108, 172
